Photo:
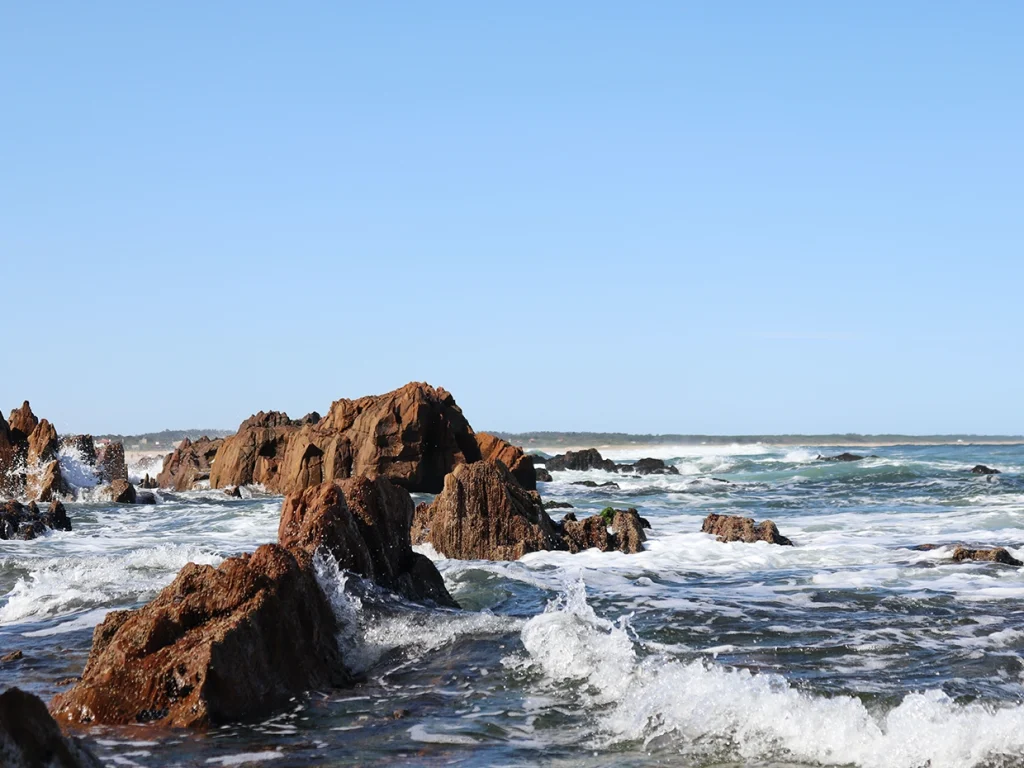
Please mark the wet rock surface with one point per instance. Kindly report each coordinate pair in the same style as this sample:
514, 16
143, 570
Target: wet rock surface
28, 521
995, 555
580, 461
735, 528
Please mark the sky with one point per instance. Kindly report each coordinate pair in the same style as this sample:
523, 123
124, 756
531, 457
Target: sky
722, 218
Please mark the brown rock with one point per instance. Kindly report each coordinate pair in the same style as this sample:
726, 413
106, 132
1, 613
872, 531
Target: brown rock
589, 458
190, 463
585, 534
997, 555
364, 525
629, 531
30, 738
111, 463
11, 483
122, 492
12, 656
21, 422
736, 528
42, 443
217, 645
233, 492
519, 463
52, 484
149, 482
483, 513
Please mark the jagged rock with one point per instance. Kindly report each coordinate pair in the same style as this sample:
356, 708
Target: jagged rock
82, 445
483, 513
649, 467
543, 476
589, 533
149, 483
519, 464
981, 469
611, 530
21, 521
31, 738
217, 645
594, 484
111, 464
628, 527
414, 436
365, 526
589, 458
842, 457
122, 492
557, 505
189, 463
52, 484
22, 422
42, 443
736, 528
12, 656
997, 555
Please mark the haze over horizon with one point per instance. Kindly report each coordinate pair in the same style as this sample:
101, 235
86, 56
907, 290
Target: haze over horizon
741, 219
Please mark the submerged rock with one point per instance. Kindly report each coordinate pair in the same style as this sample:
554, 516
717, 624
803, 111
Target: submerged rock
188, 464
519, 464
365, 526
217, 645
996, 555
735, 528
842, 457
594, 484
649, 467
31, 738
483, 513
588, 458
981, 469
414, 436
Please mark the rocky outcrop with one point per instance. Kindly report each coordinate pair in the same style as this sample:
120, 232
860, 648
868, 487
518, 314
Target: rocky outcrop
613, 486
589, 458
590, 533
122, 492
27, 521
483, 513
649, 467
519, 463
543, 476
42, 443
217, 645
52, 484
981, 469
22, 422
552, 504
735, 528
148, 482
612, 530
110, 463
414, 436
31, 738
365, 526
190, 463
10, 481
997, 555
842, 457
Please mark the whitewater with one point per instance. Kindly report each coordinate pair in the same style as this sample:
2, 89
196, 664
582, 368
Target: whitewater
855, 647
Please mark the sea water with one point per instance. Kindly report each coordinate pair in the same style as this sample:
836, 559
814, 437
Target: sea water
852, 648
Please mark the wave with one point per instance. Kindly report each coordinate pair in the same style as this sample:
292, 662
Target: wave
710, 712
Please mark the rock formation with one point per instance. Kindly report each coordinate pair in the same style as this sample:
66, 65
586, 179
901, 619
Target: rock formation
27, 521
649, 467
589, 458
543, 476
981, 469
111, 464
997, 555
519, 464
483, 513
22, 422
217, 645
122, 492
414, 436
736, 528
190, 463
31, 738
364, 524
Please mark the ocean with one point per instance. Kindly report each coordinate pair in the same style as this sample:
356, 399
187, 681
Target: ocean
851, 648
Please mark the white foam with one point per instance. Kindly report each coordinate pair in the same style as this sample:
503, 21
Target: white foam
243, 758
707, 709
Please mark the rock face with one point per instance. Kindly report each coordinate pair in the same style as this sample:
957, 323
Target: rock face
736, 528
216, 645
997, 555
589, 458
190, 463
22, 422
519, 464
31, 738
122, 492
981, 469
483, 513
42, 443
111, 464
52, 484
414, 436
364, 524
27, 521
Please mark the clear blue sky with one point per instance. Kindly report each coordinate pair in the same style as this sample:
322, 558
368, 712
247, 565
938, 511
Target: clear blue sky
657, 217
